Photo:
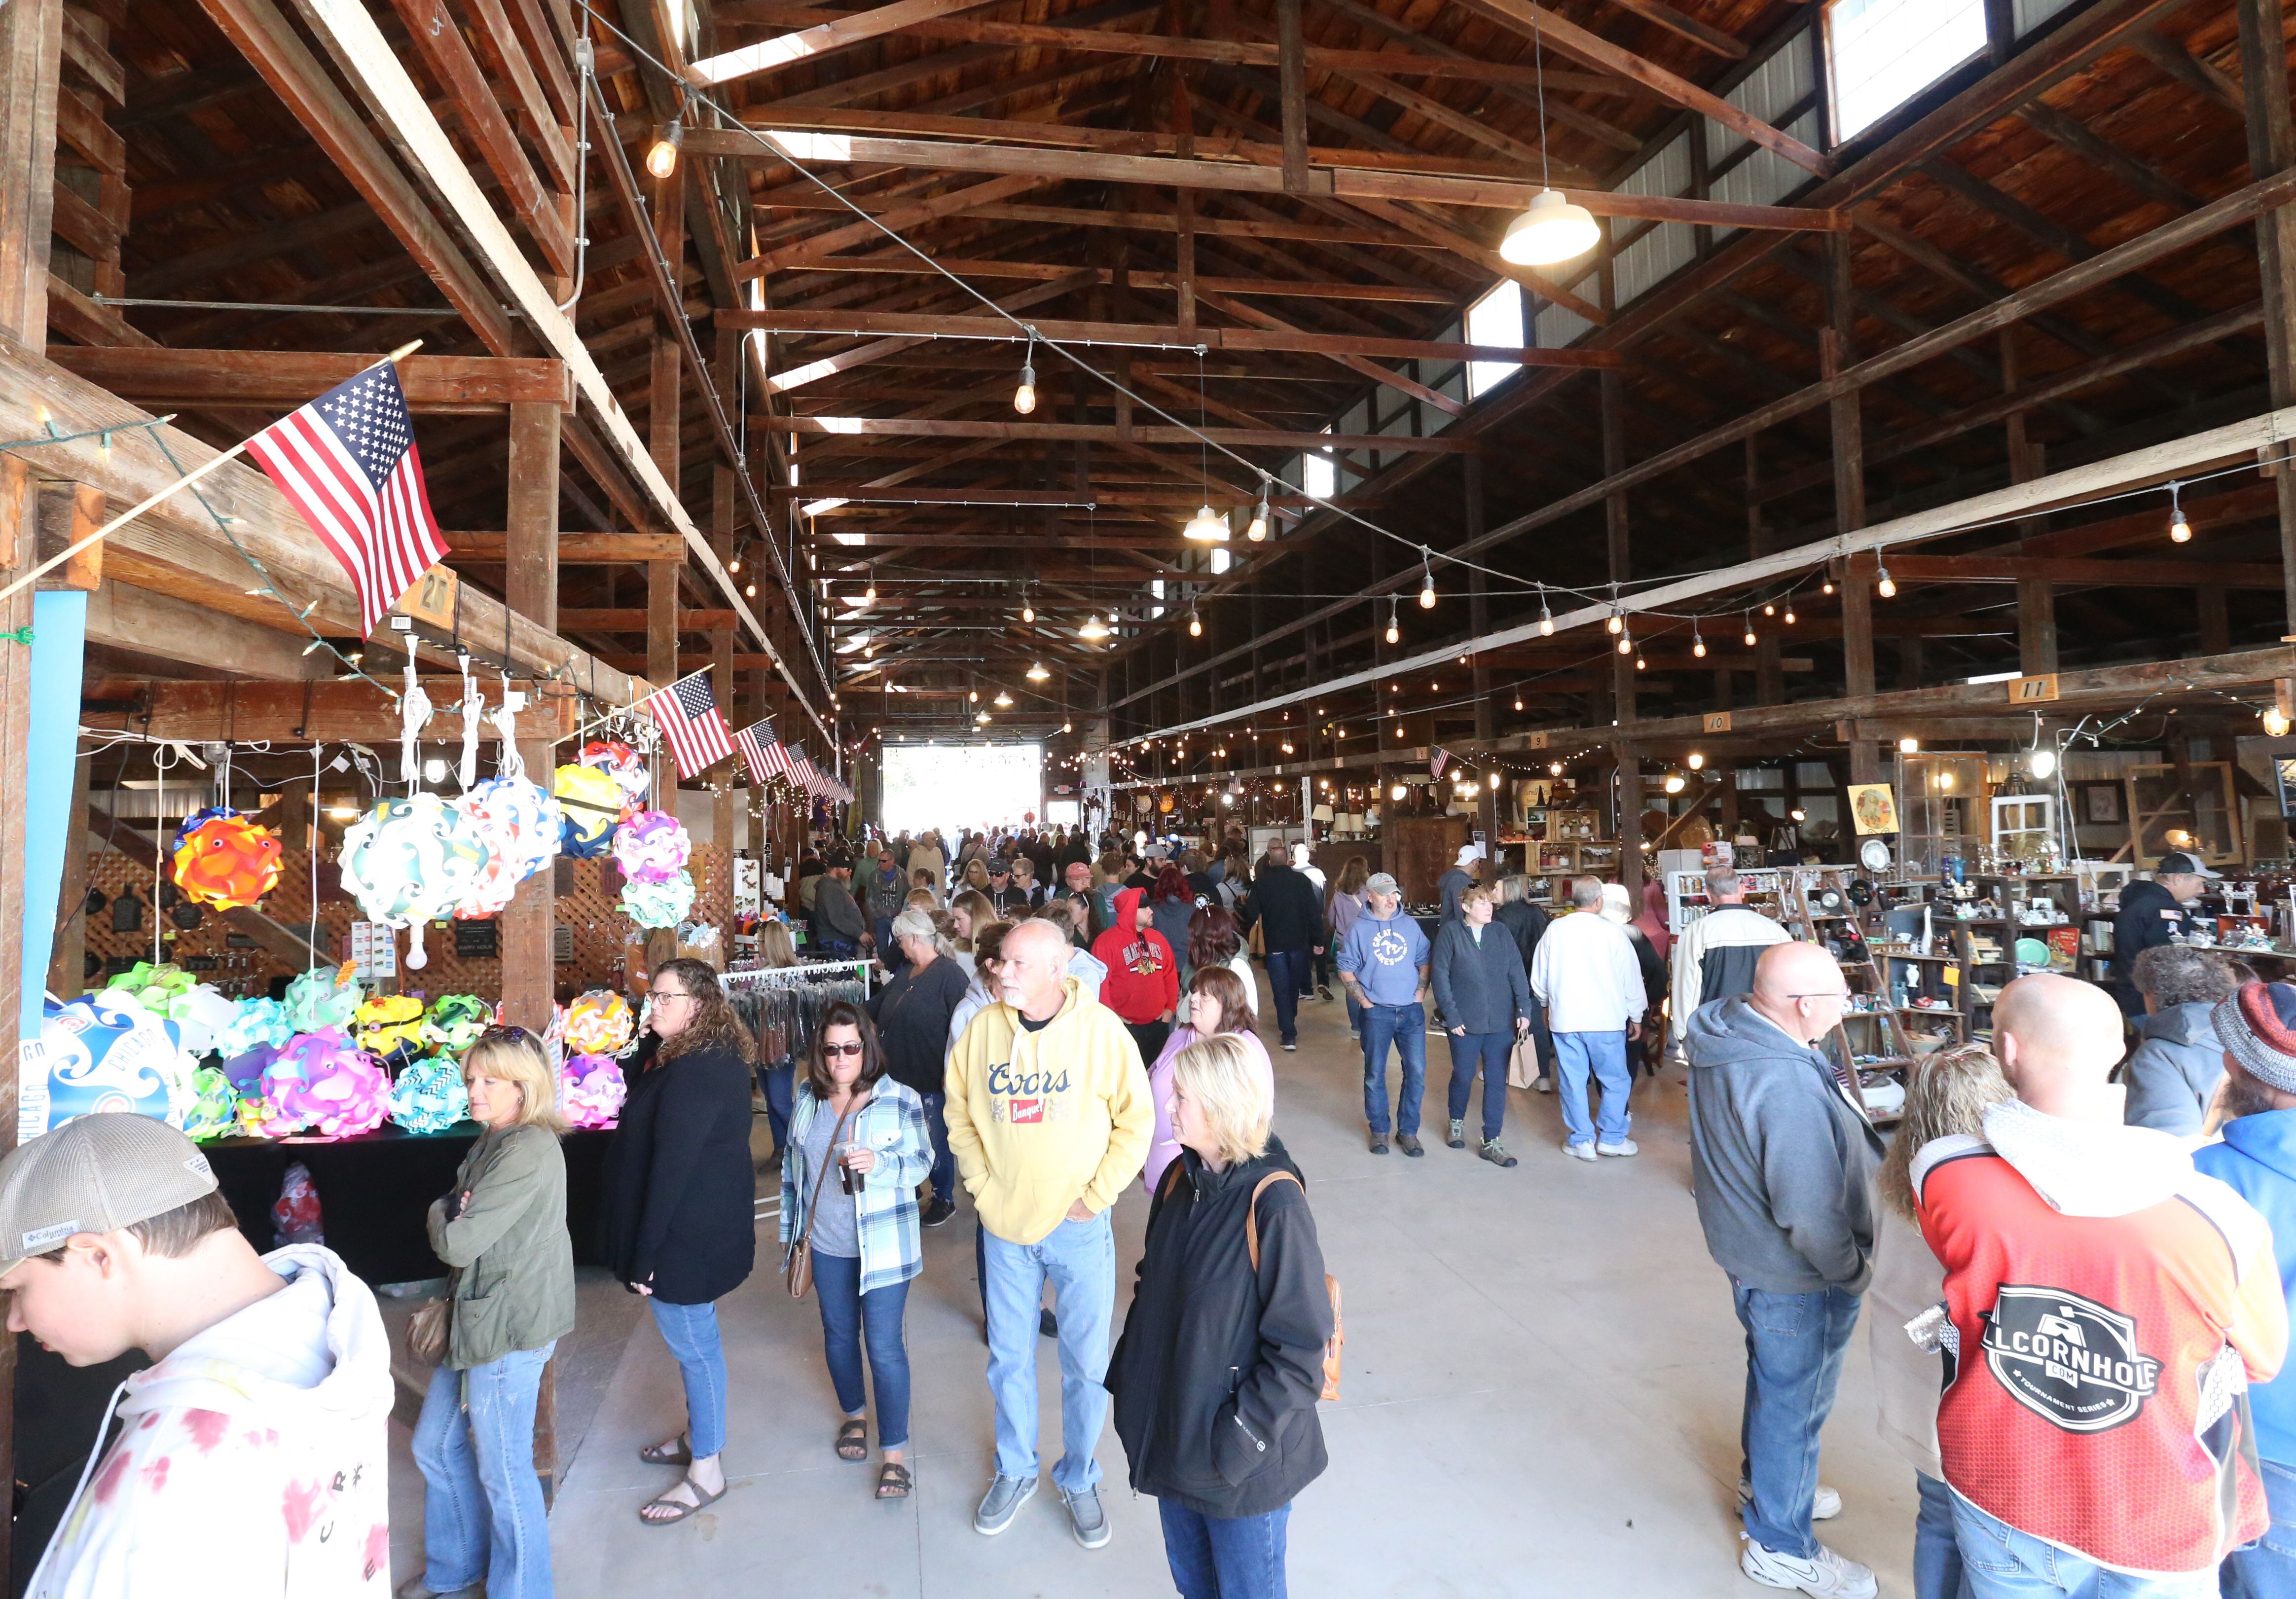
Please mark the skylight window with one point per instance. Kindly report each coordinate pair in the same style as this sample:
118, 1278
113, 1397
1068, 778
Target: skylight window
1496, 319
1319, 475
1886, 51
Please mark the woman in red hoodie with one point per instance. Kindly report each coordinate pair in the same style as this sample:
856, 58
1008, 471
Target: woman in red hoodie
1143, 977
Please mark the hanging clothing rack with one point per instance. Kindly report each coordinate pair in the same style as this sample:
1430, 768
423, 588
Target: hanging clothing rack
808, 971
781, 1005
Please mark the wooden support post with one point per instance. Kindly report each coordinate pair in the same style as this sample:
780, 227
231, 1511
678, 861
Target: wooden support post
2272, 150
530, 984
1479, 622
1769, 675
66, 975
1291, 71
1184, 210
2037, 627
1859, 574
2215, 623
1622, 667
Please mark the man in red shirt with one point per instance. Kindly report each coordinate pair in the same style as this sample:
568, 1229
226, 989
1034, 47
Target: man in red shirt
1143, 985
2105, 1307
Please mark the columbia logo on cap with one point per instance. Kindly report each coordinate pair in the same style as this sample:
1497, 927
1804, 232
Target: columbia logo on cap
41, 1239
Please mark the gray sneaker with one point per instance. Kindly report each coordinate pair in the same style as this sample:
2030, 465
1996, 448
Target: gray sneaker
1496, 1154
1086, 1520
1458, 1138
1002, 1503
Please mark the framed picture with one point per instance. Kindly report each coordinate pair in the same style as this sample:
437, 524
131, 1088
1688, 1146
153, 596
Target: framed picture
1873, 808
2100, 803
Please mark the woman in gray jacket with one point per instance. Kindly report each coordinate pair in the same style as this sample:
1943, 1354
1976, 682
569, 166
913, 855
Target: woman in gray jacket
1484, 996
2173, 1073
503, 1230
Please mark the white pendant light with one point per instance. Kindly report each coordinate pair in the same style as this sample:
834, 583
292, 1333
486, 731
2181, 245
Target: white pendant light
1551, 232
1206, 526
1037, 673
1092, 628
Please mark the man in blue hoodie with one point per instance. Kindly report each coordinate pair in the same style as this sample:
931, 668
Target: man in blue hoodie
1383, 962
2257, 1160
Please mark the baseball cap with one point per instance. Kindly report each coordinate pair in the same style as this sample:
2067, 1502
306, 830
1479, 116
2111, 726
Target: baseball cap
97, 1173
1000, 868
2179, 862
1381, 882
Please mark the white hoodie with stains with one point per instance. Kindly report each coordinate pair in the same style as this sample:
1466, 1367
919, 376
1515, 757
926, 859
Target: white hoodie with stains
252, 1461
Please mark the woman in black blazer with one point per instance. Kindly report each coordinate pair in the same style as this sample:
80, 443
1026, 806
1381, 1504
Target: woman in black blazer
680, 1204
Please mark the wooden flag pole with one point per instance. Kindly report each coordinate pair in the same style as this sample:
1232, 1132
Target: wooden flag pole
150, 500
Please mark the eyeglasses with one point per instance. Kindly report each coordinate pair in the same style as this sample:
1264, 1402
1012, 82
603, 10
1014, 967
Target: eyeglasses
852, 1048
662, 996
1841, 996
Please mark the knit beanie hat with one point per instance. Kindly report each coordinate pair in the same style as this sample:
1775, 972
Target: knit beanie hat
2258, 1024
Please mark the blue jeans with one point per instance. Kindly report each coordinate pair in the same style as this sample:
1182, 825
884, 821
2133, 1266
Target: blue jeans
1604, 1056
1355, 1010
1405, 1025
691, 1331
780, 1086
882, 927
944, 1166
1287, 969
1489, 1052
2267, 1570
1079, 1258
483, 1518
1937, 1573
1794, 1343
2005, 1563
845, 1312
1224, 1557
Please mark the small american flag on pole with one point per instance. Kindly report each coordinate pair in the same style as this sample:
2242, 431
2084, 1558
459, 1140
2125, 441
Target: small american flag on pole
762, 752
687, 713
348, 463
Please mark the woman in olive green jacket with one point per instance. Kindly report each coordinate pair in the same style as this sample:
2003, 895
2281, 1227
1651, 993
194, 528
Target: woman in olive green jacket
503, 1229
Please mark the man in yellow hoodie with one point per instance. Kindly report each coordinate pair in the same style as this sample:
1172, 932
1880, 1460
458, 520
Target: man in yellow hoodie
1049, 1117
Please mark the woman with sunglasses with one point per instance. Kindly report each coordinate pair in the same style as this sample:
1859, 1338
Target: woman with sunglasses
858, 1148
678, 1207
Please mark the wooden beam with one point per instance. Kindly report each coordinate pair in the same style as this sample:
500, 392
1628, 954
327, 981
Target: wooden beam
815, 248
769, 55
443, 385
1338, 182
876, 324
169, 628
530, 590
2132, 573
910, 427
1291, 71
574, 549
1711, 39
632, 619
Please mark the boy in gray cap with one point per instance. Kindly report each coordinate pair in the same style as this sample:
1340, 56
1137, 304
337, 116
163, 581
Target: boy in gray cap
252, 1453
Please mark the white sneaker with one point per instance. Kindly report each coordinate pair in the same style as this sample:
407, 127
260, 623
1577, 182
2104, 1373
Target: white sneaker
1584, 1152
1624, 1146
1544, 1084
1824, 1507
1825, 1575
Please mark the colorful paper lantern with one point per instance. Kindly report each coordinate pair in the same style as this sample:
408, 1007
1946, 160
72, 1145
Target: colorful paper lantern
246, 1069
151, 985
254, 1021
591, 804
325, 1082
201, 1013
408, 861
222, 858
101, 1052
455, 1022
214, 1112
323, 998
651, 847
390, 1027
430, 1097
520, 825
621, 763
599, 1023
659, 904
591, 1091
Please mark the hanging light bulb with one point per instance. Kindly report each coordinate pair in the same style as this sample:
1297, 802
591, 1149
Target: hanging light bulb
1674, 783
1092, 628
1067, 727
1195, 625
1396, 793
973, 698
1640, 664
2275, 722
2044, 762
1554, 768
1518, 702
749, 589
2180, 531
734, 565
1494, 781
1826, 588
1750, 630
1024, 395
1790, 616
1769, 611
1037, 672
1206, 526
1427, 586
1394, 634
1617, 624
1258, 530
1697, 642
1546, 616
1626, 644
869, 594
1887, 586
661, 156
1551, 232
1697, 762
1003, 701
1027, 609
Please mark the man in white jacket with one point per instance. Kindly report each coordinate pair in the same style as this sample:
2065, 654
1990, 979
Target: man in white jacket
1585, 974
252, 1456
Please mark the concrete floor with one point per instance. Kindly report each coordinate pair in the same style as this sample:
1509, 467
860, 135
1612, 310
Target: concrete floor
1541, 1395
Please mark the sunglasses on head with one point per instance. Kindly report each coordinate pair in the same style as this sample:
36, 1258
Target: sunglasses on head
508, 1035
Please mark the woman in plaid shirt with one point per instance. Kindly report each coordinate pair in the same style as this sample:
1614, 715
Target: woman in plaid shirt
854, 1127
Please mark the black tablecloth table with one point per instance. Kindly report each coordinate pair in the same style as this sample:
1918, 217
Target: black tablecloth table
375, 1189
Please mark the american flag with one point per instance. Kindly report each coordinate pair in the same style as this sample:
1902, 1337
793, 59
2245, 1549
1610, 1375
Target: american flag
802, 770
687, 713
1438, 761
348, 462
763, 752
